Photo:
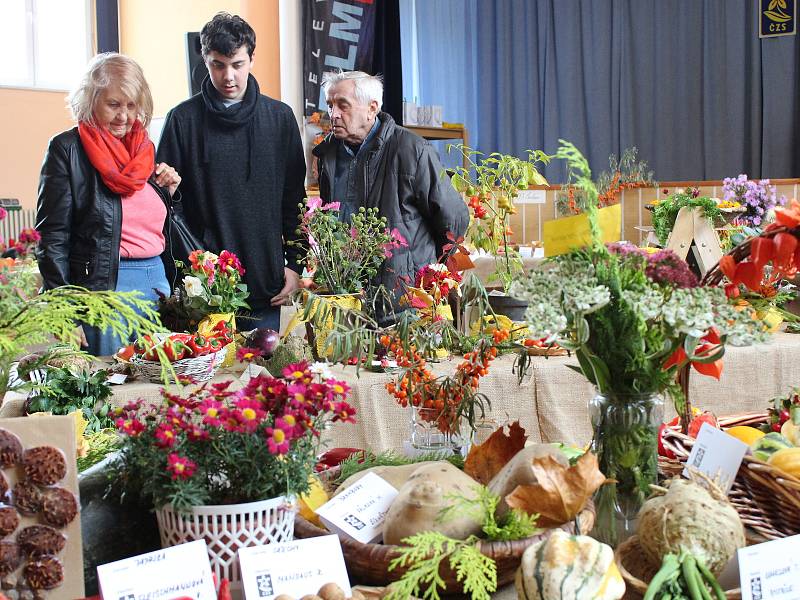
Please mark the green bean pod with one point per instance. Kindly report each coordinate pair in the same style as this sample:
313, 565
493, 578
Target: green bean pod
719, 593
690, 576
669, 566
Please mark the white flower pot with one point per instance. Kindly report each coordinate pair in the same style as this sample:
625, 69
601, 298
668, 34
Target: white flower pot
226, 528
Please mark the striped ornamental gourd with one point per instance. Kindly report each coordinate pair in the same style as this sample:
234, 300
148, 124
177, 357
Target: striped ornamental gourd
569, 567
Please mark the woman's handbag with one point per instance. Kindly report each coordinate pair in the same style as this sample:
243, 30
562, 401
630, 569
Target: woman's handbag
181, 239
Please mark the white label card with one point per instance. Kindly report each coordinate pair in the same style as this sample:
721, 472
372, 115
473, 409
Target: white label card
117, 379
716, 454
530, 197
359, 511
252, 371
294, 568
771, 570
173, 572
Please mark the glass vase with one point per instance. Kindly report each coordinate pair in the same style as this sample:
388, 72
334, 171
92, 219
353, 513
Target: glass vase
625, 440
427, 437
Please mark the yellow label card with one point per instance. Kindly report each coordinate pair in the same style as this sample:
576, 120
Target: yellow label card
562, 235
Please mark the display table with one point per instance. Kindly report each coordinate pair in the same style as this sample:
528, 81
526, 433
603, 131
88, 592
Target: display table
551, 403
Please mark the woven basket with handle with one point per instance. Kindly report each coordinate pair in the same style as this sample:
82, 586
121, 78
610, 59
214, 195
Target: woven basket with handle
369, 563
767, 499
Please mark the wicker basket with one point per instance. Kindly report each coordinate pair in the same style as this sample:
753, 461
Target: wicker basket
637, 571
767, 499
369, 563
199, 368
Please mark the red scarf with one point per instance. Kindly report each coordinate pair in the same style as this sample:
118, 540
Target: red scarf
124, 164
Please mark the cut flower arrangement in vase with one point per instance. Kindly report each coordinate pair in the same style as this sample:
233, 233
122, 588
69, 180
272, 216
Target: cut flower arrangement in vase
345, 257
633, 322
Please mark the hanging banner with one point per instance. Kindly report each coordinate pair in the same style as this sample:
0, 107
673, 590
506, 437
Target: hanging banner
338, 35
777, 17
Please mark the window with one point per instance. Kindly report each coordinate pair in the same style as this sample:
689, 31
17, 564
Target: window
45, 43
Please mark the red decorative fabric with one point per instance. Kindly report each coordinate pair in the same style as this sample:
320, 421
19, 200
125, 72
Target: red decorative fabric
124, 164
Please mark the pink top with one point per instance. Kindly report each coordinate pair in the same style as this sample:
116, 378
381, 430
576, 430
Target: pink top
143, 216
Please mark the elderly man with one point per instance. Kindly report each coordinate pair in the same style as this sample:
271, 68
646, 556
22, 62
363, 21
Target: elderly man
370, 161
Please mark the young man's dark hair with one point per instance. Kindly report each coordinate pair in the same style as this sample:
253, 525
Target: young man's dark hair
226, 33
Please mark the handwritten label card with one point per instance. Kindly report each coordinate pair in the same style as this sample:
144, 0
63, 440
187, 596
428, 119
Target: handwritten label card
531, 197
294, 568
169, 573
771, 570
716, 454
359, 511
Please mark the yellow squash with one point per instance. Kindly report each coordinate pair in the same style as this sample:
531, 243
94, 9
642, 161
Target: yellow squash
745, 434
791, 432
787, 460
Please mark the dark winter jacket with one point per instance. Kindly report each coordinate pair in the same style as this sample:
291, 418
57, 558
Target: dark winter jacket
240, 182
80, 220
402, 176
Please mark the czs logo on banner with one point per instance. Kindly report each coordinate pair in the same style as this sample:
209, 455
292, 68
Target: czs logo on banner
777, 17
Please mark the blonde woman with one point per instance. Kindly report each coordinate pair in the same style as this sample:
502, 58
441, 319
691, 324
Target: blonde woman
103, 201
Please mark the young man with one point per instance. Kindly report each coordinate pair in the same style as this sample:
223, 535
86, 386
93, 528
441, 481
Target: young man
241, 159
369, 161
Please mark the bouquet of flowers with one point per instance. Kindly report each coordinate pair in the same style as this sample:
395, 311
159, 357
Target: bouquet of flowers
758, 197
213, 284
633, 322
217, 446
345, 257
760, 280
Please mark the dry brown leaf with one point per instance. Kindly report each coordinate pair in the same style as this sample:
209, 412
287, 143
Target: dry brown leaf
484, 461
560, 492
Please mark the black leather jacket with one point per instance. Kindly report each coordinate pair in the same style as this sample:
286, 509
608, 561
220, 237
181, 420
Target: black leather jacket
80, 220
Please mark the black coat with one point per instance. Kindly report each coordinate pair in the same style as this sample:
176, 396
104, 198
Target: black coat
80, 220
241, 186
402, 176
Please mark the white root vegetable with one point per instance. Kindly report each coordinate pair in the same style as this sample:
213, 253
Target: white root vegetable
690, 517
421, 499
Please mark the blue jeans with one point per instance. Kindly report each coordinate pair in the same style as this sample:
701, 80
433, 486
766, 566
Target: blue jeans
269, 317
142, 274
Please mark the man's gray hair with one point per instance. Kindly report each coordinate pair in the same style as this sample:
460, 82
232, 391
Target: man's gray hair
367, 87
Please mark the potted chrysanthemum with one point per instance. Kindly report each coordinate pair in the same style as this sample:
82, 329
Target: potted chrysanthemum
226, 465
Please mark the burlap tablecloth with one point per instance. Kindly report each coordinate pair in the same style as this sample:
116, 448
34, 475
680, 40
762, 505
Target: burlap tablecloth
551, 404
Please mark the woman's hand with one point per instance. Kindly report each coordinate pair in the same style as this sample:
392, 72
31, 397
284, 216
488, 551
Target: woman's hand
167, 177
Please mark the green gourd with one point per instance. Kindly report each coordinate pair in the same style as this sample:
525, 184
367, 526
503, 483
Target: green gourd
569, 567
769, 445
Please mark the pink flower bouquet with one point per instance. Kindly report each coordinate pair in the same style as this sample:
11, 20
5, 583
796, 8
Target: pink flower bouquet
346, 256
